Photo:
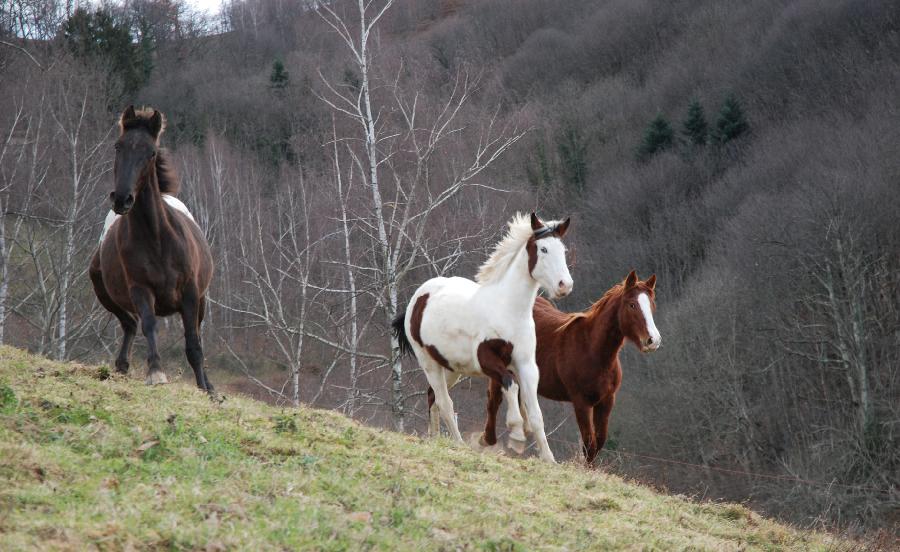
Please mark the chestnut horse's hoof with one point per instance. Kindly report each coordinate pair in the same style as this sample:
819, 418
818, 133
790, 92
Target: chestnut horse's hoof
157, 378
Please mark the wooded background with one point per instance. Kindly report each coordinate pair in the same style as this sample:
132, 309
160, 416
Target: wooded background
338, 154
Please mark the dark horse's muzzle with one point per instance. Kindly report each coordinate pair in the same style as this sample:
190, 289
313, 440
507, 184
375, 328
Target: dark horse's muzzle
121, 205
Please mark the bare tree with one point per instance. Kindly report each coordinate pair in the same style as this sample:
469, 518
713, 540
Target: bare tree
397, 226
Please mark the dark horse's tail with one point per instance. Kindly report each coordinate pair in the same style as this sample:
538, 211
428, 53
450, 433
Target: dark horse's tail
399, 326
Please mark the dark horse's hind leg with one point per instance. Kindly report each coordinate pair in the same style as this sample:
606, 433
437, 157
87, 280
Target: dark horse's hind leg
192, 307
144, 301
129, 325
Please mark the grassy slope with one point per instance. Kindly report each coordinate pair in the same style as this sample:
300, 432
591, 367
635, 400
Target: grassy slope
113, 463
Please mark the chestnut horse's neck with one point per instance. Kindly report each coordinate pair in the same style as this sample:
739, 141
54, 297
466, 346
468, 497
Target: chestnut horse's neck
148, 216
603, 338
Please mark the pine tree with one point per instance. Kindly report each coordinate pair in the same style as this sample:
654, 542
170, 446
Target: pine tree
731, 122
694, 127
657, 137
279, 77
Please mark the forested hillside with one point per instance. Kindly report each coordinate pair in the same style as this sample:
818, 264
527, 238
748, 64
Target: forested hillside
746, 153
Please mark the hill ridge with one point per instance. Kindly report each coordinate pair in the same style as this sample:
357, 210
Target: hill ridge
93, 461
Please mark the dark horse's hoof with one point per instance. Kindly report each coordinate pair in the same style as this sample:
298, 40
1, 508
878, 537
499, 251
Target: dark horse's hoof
157, 378
215, 396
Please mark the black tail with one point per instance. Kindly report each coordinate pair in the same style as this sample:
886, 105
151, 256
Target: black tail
399, 326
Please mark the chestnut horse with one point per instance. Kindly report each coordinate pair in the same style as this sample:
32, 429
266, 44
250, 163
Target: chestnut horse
153, 259
578, 356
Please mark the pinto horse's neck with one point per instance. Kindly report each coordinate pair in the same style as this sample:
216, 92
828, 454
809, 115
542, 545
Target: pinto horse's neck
148, 216
516, 289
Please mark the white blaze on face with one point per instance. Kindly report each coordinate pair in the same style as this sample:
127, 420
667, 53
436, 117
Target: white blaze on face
644, 302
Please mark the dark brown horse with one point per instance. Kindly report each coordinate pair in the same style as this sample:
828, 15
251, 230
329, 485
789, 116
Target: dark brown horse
153, 260
578, 356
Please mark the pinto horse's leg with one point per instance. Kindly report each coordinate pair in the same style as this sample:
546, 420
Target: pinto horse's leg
528, 378
514, 420
143, 301
583, 416
495, 397
437, 380
191, 316
434, 415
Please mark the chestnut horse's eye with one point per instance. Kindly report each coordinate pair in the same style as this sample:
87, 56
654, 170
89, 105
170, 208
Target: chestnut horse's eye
632, 305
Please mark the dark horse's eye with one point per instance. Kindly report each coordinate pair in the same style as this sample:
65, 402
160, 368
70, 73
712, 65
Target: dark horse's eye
543, 250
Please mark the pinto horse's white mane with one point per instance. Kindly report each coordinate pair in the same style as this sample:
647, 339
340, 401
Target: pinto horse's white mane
506, 249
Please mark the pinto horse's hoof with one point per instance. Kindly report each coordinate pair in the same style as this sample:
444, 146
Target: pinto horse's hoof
517, 445
157, 378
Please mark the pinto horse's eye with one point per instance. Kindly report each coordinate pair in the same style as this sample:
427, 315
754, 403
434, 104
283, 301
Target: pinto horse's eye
543, 250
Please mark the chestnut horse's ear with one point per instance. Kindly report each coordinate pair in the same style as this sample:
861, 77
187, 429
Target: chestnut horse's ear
631, 280
536, 223
127, 115
651, 282
157, 123
563, 228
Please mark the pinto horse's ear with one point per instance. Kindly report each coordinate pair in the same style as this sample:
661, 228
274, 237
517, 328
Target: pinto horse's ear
536, 223
631, 280
157, 123
563, 227
651, 282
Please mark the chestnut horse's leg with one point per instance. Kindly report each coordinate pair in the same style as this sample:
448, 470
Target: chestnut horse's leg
601, 421
434, 415
495, 397
584, 417
191, 317
143, 301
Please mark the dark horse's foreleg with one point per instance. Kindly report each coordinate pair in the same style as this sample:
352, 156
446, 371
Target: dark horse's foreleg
583, 416
129, 325
192, 306
495, 397
143, 302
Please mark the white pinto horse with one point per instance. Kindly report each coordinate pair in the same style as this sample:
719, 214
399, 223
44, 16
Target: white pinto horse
457, 327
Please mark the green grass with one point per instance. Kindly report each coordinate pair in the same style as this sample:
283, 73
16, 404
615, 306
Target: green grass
93, 461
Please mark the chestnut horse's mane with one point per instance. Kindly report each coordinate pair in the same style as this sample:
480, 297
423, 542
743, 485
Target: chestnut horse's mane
169, 183
613, 293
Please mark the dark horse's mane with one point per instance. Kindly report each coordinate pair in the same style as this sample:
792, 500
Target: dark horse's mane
169, 183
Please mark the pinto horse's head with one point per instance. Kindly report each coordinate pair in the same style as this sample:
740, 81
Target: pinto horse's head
136, 151
636, 312
547, 257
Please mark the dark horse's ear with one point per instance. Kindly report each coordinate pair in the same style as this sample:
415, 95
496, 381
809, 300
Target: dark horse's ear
536, 223
563, 227
651, 282
127, 115
157, 123
631, 280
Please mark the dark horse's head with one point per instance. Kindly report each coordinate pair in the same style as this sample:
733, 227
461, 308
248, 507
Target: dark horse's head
636, 312
136, 154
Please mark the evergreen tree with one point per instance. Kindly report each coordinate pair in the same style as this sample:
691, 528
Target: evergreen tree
731, 122
99, 37
279, 77
572, 149
694, 127
657, 137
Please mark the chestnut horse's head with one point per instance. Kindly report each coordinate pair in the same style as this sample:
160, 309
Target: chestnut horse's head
136, 151
636, 312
